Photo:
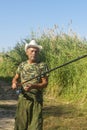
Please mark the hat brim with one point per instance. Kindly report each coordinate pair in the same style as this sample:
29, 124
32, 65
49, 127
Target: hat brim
33, 46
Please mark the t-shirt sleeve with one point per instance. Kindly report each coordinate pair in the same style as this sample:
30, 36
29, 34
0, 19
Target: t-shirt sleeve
44, 70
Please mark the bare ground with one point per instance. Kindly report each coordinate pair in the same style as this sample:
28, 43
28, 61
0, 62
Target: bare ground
8, 101
7, 113
57, 115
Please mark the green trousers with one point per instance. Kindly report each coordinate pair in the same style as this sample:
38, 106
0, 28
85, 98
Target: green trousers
28, 114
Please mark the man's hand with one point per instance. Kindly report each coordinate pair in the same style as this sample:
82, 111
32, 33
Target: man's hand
14, 85
28, 87
14, 81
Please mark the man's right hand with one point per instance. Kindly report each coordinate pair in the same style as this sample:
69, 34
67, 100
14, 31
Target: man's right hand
14, 81
14, 85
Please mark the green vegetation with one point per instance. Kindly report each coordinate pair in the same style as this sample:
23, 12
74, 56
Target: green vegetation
64, 116
70, 82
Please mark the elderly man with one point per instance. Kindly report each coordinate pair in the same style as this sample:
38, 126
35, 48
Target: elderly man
29, 108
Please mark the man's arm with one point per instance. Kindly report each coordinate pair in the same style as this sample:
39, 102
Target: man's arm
14, 81
41, 85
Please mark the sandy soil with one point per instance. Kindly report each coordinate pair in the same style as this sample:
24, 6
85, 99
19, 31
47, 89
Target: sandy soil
8, 101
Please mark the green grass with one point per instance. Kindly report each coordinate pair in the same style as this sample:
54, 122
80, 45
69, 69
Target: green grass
69, 82
63, 116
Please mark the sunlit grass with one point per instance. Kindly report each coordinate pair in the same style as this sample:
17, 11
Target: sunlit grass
69, 82
63, 116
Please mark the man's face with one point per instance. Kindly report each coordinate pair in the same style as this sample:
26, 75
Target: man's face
32, 53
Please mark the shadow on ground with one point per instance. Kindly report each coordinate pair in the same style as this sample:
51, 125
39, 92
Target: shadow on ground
7, 111
59, 110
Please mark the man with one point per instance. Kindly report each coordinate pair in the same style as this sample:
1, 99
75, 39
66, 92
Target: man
29, 108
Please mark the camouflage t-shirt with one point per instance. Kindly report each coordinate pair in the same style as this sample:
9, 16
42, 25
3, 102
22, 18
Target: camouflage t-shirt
28, 71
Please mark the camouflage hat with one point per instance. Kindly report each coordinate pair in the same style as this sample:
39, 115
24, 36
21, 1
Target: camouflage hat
32, 44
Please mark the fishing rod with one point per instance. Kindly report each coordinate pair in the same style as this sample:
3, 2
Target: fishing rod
41, 75
60, 66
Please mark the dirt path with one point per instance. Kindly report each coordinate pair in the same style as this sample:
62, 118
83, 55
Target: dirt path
8, 101
7, 113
